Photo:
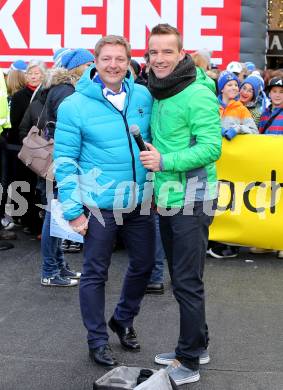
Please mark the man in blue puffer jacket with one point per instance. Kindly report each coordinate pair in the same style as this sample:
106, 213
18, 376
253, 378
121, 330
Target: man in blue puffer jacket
98, 170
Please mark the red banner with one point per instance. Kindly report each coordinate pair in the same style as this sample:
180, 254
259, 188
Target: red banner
34, 28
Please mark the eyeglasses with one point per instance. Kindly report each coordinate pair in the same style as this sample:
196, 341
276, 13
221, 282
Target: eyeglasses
247, 90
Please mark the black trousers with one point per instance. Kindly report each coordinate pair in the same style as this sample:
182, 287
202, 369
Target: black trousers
3, 176
185, 240
12, 169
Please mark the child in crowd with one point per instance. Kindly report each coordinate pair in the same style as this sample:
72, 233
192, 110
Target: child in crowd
235, 119
271, 122
249, 96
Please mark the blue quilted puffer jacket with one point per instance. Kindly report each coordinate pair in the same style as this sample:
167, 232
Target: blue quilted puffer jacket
96, 159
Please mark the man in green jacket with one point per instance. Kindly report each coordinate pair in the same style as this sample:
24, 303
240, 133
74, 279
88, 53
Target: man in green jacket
186, 142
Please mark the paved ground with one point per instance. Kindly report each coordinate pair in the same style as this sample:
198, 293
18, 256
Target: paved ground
42, 340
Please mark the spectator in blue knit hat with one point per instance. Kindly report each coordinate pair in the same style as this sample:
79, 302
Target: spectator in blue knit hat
263, 99
76, 58
249, 96
57, 56
250, 66
61, 84
19, 65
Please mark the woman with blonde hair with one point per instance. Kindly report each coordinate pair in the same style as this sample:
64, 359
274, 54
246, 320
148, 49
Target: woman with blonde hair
16, 77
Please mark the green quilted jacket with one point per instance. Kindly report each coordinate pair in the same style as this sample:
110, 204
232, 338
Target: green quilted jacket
186, 131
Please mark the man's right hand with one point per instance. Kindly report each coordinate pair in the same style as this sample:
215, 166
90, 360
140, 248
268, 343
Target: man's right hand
80, 224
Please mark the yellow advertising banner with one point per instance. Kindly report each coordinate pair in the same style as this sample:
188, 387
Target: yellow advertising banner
250, 205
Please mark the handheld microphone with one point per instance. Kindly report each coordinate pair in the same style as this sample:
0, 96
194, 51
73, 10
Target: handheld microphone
135, 131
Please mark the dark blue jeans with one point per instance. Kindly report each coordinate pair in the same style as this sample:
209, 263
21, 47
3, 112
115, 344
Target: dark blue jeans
52, 254
157, 275
138, 232
185, 240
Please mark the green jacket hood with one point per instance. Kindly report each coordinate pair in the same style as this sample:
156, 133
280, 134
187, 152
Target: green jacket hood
204, 79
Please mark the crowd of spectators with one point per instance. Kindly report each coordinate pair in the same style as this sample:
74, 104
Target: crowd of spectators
250, 101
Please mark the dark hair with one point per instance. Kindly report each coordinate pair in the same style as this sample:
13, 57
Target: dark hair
136, 67
146, 57
166, 29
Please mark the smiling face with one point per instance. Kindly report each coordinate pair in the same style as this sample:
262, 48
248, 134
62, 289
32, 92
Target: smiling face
112, 65
246, 93
164, 54
276, 96
230, 90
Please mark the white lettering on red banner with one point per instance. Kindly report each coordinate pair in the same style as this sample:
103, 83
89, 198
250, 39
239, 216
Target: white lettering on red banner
33, 28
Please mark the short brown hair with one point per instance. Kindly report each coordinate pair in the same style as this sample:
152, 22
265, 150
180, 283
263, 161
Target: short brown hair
166, 29
112, 40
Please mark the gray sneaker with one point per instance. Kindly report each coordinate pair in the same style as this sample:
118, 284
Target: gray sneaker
7, 223
181, 374
169, 357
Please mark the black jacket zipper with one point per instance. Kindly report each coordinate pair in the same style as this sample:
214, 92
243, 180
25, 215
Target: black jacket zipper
130, 144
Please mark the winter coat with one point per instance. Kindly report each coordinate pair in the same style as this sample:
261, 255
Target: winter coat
235, 115
19, 103
276, 127
34, 115
97, 160
255, 113
186, 131
61, 84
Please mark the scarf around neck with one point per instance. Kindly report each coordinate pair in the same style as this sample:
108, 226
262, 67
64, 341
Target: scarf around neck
183, 75
116, 98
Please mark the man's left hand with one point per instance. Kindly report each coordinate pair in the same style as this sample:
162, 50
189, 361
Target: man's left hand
151, 158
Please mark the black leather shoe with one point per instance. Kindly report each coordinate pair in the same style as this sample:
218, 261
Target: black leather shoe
127, 336
103, 355
155, 288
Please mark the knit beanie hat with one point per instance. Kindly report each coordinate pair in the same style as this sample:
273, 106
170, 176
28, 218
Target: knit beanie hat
76, 57
19, 65
250, 66
57, 56
136, 66
224, 78
255, 82
257, 74
234, 67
